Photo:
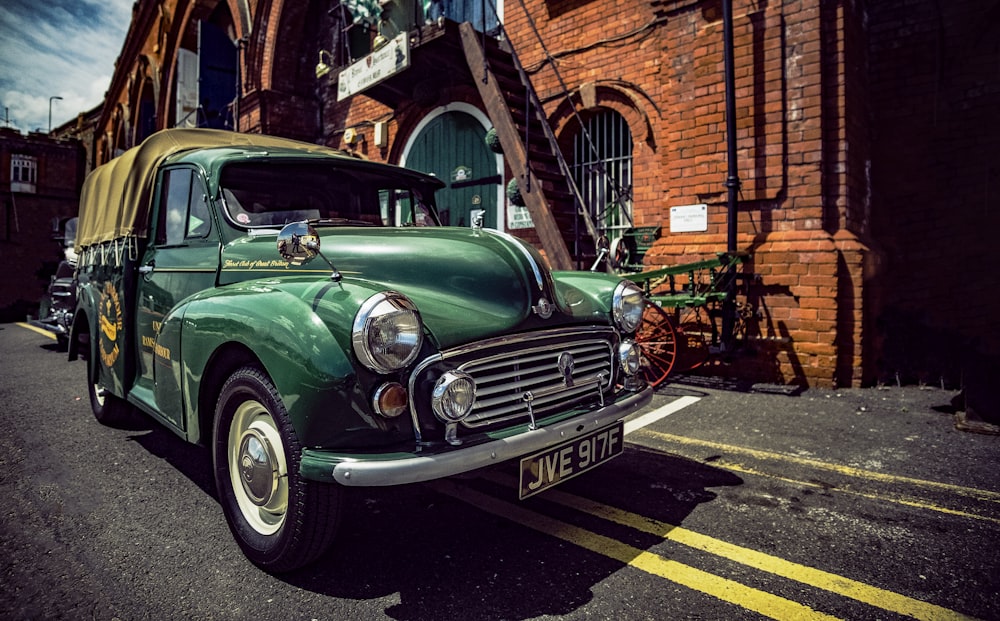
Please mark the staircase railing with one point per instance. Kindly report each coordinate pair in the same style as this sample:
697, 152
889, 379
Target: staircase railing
533, 102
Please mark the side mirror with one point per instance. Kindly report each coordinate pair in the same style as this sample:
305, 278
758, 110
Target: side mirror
298, 243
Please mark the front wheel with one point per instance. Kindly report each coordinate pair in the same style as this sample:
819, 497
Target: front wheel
280, 520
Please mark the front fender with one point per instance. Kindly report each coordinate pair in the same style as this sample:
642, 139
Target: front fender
585, 294
302, 342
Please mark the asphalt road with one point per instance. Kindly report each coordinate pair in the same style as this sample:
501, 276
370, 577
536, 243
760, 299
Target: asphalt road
855, 504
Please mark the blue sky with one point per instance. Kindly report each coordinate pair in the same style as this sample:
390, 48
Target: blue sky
64, 48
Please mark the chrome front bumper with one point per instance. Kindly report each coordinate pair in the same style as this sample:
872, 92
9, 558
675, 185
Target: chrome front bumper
379, 471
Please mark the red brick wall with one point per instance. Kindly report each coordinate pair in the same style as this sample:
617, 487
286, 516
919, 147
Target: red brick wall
801, 150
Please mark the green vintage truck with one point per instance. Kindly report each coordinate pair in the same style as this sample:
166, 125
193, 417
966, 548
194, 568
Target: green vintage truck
303, 314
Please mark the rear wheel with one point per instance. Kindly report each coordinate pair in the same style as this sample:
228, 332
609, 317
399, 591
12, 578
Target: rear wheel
280, 520
108, 409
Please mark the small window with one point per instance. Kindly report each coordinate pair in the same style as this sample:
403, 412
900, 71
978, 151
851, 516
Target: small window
184, 210
23, 173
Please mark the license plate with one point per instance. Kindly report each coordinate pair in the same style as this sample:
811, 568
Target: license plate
563, 462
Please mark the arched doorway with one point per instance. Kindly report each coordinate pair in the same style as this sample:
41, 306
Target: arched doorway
451, 145
205, 78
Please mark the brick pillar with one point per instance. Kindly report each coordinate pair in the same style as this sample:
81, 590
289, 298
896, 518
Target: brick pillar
796, 336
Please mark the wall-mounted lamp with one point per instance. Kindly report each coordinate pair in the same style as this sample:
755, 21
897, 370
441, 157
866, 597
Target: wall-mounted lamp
323, 68
386, 31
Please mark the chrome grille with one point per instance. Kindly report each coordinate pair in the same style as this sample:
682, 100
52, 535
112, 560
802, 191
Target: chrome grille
504, 374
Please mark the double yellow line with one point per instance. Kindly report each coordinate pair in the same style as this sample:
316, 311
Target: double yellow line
955, 491
727, 590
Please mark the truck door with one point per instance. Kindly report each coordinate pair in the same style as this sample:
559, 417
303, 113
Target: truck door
181, 259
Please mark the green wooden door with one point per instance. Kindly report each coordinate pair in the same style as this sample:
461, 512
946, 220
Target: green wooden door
453, 147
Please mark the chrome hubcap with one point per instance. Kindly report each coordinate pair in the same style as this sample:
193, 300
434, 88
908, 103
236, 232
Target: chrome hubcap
257, 472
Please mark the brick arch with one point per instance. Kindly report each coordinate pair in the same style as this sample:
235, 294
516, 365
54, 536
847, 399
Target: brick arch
143, 87
279, 67
179, 24
172, 27
620, 97
239, 12
121, 124
633, 106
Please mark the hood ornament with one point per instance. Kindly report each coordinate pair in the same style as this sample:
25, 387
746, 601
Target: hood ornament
544, 308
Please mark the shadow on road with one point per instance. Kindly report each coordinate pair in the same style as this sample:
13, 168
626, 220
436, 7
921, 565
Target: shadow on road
194, 462
443, 558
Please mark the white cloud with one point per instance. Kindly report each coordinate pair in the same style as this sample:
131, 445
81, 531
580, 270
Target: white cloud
58, 48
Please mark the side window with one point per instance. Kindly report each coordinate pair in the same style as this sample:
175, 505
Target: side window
199, 221
183, 208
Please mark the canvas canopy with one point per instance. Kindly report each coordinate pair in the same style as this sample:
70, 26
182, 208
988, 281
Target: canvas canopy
116, 196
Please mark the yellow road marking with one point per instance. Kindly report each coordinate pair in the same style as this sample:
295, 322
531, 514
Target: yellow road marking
853, 589
36, 329
898, 499
979, 494
724, 589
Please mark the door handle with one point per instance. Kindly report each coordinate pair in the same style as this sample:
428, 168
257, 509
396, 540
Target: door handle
147, 269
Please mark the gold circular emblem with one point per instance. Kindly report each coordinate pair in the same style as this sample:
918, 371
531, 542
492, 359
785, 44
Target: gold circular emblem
110, 320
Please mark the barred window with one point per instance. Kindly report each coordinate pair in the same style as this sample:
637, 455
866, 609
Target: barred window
602, 169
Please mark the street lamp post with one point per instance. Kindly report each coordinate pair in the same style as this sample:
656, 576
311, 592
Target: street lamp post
50, 110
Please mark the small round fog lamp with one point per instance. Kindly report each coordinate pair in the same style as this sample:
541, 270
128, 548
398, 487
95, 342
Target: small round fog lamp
630, 357
453, 396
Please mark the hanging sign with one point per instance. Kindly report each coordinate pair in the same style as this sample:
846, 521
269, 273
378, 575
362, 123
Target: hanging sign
383, 63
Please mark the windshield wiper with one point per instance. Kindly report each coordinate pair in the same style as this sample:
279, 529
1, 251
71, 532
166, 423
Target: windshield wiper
340, 222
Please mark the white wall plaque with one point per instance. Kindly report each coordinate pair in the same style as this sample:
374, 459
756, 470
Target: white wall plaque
689, 219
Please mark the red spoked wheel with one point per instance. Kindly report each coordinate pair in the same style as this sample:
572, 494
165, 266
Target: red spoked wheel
694, 334
658, 341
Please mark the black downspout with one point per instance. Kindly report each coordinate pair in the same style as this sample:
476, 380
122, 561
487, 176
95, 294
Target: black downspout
732, 175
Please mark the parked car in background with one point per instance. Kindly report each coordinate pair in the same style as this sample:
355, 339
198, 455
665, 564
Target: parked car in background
55, 312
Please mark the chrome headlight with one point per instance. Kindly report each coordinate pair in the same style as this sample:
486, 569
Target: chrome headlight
387, 332
453, 396
627, 306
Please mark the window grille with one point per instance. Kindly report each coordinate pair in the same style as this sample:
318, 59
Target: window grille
602, 169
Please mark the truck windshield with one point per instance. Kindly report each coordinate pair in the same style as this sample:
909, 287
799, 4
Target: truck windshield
269, 194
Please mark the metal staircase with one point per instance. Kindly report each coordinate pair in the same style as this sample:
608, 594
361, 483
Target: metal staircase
529, 145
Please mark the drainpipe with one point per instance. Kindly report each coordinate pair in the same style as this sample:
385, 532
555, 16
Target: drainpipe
732, 174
